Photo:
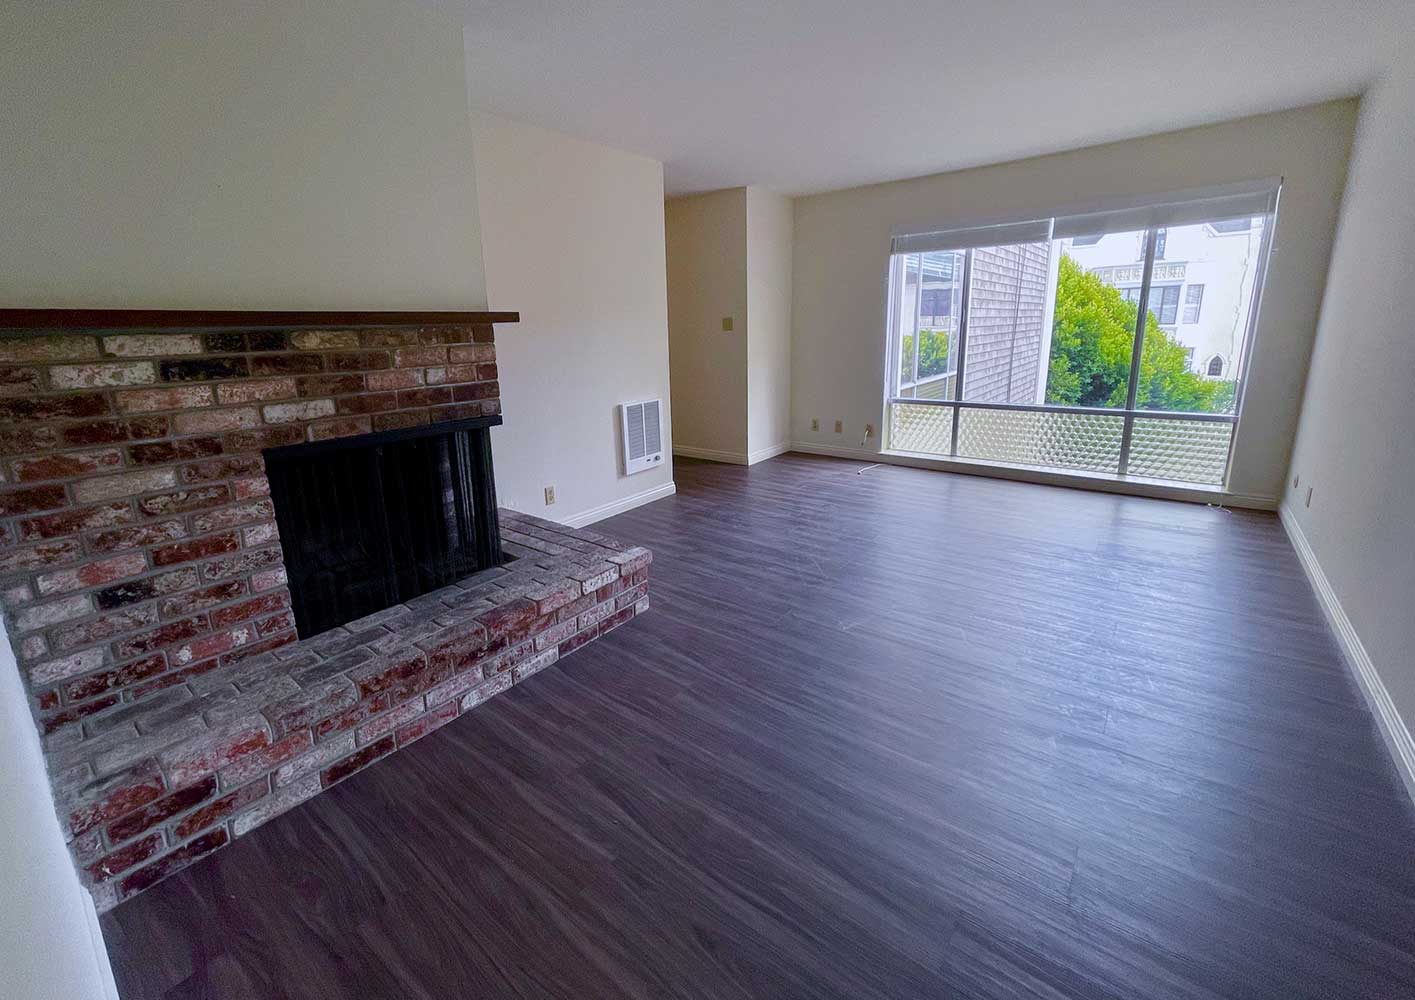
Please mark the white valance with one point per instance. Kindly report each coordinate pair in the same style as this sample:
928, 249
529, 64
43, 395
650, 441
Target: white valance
1215, 203
974, 236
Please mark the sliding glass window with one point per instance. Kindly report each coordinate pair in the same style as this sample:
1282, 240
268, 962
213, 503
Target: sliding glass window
1112, 342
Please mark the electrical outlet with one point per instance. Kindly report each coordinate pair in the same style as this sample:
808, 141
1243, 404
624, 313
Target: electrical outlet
549, 495
727, 324
1309, 496
815, 423
839, 426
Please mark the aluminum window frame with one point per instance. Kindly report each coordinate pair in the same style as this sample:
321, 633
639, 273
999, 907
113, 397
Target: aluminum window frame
1241, 366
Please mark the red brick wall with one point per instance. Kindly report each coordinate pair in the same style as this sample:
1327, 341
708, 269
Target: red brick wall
138, 544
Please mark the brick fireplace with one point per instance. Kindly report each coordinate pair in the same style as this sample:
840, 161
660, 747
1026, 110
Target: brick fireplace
145, 586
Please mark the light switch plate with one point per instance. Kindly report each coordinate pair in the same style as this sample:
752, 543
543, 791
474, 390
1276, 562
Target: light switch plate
727, 324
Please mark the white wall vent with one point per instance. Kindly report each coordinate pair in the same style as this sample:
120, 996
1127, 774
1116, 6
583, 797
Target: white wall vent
643, 435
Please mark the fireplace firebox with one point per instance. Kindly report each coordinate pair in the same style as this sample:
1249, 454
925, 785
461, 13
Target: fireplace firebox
371, 521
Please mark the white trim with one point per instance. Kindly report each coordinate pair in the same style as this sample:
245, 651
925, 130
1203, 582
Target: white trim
837, 451
1393, 729
711, 455
586, 517
771, 451
1026, 474
100, 952
1251, 501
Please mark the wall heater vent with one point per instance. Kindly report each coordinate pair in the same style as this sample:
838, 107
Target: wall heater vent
643, 435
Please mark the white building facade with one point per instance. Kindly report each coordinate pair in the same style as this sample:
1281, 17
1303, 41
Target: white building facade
1202, 289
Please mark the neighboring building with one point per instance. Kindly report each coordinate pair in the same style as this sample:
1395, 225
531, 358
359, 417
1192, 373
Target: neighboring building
1202, 287
935, 312
1009, 324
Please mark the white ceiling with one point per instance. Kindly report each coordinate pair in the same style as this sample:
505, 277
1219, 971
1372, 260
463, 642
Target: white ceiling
802, 97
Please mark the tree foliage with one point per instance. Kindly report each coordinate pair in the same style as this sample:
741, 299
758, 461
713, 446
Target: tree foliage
933, 355
1091, 343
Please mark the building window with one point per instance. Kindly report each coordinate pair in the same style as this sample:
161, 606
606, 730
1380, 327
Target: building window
1232, 226
1193, 300
936, 302
1215, 366
1164, 302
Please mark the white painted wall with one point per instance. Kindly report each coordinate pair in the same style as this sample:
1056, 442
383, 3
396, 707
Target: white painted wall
707, 281
208, 154
573, 237
842, 250
49, 940
1355, 449
769, 246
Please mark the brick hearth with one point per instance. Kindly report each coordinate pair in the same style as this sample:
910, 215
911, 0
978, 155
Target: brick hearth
168, 779
144, 587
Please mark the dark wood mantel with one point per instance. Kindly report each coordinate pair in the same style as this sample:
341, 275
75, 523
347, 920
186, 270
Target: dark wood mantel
52, 320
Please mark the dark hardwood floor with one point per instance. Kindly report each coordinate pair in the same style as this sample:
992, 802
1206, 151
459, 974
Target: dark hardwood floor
885, 733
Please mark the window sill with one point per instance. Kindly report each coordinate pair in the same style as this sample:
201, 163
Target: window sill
1163, 489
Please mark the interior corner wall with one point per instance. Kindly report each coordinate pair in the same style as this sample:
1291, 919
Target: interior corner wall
842, 243
707, 282
210, 154
1355, 451
49, 940
573, 237
769, 238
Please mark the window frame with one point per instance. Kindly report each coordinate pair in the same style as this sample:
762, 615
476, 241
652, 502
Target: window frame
1239, 365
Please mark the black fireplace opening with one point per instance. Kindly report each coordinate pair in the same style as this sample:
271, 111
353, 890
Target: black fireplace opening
371, 521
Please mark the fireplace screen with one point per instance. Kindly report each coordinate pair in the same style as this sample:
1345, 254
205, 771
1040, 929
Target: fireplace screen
376, 520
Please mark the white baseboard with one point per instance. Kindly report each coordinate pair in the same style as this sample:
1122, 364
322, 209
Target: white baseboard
103, 969
1024, 474
732, 457
838, 451
711, 455
587, 517
1250, 501
1393, 728
762, 454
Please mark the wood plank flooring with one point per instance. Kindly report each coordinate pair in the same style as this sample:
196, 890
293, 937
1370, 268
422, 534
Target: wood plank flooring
885, 733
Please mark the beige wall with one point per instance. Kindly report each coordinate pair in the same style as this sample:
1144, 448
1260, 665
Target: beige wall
213, 154
1355, 449
49, 941
842, 250
573, 238
707, 280
729, 254
769, 239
